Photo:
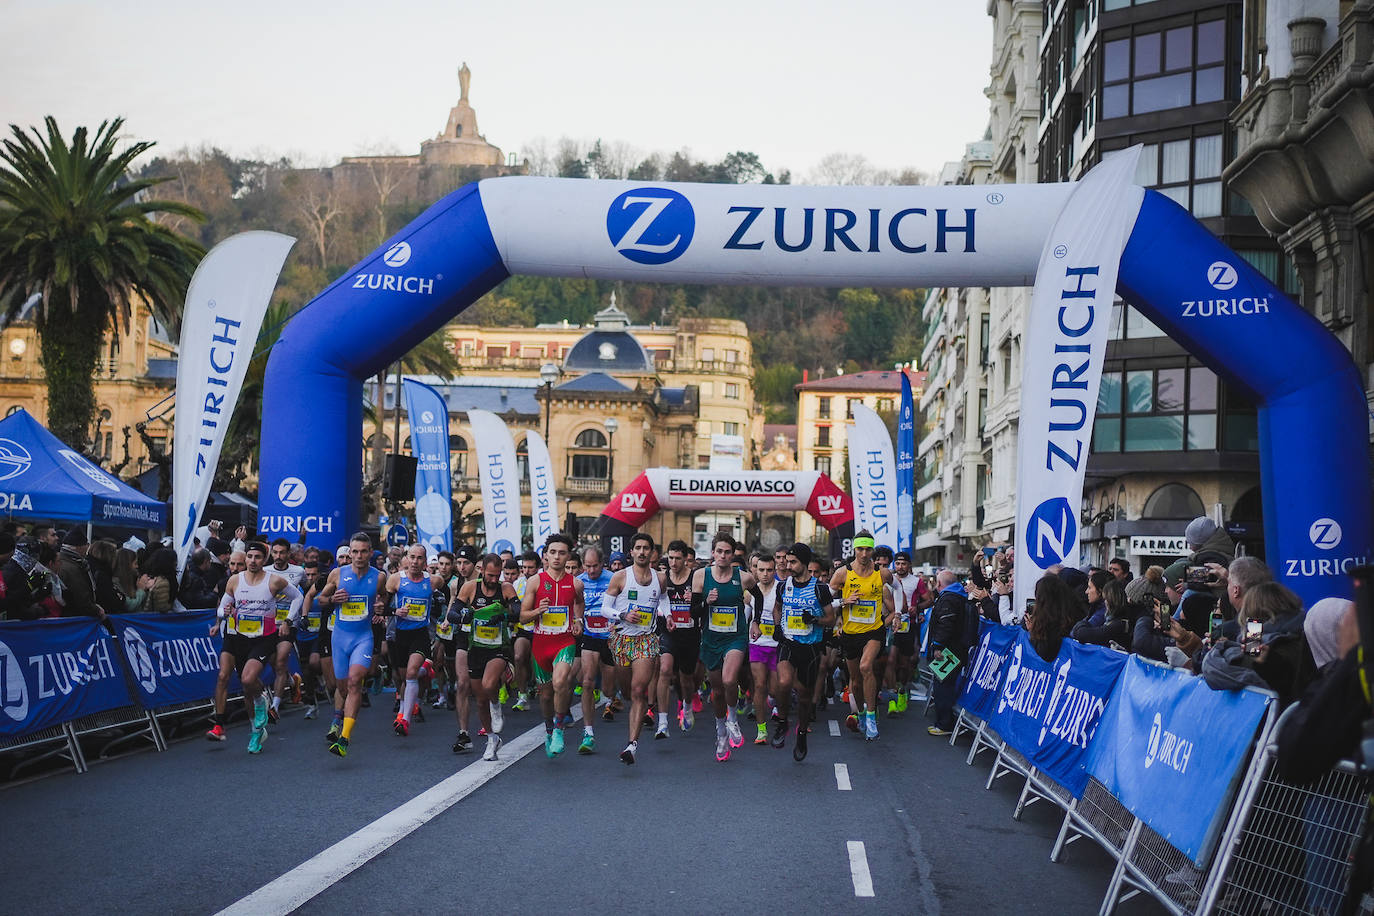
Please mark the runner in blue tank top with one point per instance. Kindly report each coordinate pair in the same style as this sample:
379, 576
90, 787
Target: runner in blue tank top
412, 589
352, 591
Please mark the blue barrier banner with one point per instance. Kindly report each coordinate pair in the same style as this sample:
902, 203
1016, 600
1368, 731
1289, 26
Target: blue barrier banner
1050, 711
172, 657
1173, 751
985, 678
53, 671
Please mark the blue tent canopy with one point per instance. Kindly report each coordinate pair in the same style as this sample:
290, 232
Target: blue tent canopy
41, 478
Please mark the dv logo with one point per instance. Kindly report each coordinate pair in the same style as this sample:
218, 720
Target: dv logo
14, 693
829, 505
140, 660
1051, 532
291, 492
14, 459
1325, 534
397, 255
650, 225
632, 502
1222, 276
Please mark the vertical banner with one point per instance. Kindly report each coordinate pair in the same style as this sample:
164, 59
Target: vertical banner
858, 491
870, 447
1066, 341
906, 466
543, 499
428, 413
225, 302
500, 477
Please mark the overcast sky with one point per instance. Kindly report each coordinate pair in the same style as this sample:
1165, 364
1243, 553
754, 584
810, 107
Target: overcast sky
897, 81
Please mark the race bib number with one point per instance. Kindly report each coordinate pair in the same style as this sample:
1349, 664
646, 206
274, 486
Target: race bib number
353, 609
312, 621
642, 616
766, 629
444, 629
793, 625
864, 612
904, 625
723, 619
415, 609
596, 623
249, 626
282, 613
486, 634
554, 620
682, 615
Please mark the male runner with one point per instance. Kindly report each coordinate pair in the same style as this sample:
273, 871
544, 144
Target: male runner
529, 566
916, 598
488, 604
553, 601
412, 589
354, 592
865, 609
804, 608
680, 643
250, 606
719, 591
635, 592
306, 635
445, 649
594, 647
763, 644
282, 566
466, 566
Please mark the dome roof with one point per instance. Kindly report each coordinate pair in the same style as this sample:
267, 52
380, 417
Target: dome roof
610, 348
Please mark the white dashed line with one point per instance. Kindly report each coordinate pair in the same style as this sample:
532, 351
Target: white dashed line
842, 777
858, 869
834, 729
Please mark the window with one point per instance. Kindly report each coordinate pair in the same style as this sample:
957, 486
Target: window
849, 407
732, 356
1173, 500
885, 404
823, 437
732, 390
822, 464
730, 429
590, 466
522, 460
703, 462
1166, 409
1161, 69
157, 445
458, 452
12, 411
590, 438
823, 410
708, 354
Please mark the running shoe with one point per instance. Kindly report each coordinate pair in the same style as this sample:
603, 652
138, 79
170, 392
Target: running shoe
295, 688
493, 745
463, 743
938, 732
722, 746
481, 731
627, 756
273, 716
311, 710
340, 747
498, 718
503, 697
617, 704
688, 719
871, 727
901, 701
260, 714
661, 732
588, 745
733, 733
799, 749
648, 715
417, 713
396, 706
851, 722
762, 736
747, 709
401, 726
892, 709
216, 733
696, 702
335, 728
255, 742
522, 702
438, 702
779, 733
609, 714
577, 691
556, 742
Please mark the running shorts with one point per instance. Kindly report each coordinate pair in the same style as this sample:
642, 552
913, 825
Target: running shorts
852, 644
261, 649
350, 650
598, 645
549, 651
805, 658
628, 649
684, 646
410, 642
713, 653
764, 655
479, 658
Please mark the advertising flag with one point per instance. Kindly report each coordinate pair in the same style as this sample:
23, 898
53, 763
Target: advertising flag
874, 475
906, 466
500, 478
1065, 344
428, 414
225, 302
543, 499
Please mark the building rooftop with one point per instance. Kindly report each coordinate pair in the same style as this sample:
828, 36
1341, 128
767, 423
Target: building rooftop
610, 347
594, 381
868, 380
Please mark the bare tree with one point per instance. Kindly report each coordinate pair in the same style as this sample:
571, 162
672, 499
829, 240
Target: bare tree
387, 170
314, 199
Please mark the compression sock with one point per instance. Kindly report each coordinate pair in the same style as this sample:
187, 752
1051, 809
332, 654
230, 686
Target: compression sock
412, 693
587, 730
347, 727
662, 720
276, 702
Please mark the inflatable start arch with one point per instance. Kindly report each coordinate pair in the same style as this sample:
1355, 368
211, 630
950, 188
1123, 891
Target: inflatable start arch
1312, 412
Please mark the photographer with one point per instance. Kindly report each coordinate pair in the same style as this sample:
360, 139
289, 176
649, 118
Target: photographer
1272, 652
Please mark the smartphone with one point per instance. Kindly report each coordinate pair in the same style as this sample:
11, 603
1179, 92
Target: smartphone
1030, 605
1254, 633
1197, 576
1214, 625
1163, 615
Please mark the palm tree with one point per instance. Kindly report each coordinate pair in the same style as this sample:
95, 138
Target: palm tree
77, 230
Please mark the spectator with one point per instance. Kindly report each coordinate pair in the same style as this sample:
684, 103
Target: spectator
1057, 609
159, 580
211, 529
1281, 661
947, 633
218, 576
1097, 605
1243, 574
1120, 568
126, 580
78, 582
1323, 623
1117, 623
1146, 594
16, 599
101, 558
198, 582
239, 541
1208, 543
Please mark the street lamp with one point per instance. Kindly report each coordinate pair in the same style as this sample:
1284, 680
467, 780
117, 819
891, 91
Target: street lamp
612, 424
548, 374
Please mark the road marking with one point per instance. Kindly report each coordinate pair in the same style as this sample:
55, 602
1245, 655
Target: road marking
842, 777
316, 875
858, 869
834, 729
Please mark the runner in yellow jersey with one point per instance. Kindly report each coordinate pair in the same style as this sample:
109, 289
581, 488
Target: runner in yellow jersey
866, 610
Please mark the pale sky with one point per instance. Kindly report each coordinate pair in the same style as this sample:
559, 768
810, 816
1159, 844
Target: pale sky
897, 81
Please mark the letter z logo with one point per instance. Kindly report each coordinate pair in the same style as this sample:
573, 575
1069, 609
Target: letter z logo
1325, 534
650, 225
1051, 532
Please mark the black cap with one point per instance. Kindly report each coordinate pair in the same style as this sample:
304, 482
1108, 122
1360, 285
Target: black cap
218, 546
801, 552
76, 538
467, 552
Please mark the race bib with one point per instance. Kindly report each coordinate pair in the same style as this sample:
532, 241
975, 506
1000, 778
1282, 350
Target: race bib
444, 628
766, 629
486, 634
642, 616
333, 618
282, 613
353, 609
596, 623
312, 620
793, 625
904, 625
864, 612
249, 626
723, 619
554, 620
415, 609
682, 615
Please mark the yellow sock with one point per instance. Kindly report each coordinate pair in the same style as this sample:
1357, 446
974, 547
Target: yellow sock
348, 726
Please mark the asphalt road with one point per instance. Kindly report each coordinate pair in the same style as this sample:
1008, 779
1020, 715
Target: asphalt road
202, 826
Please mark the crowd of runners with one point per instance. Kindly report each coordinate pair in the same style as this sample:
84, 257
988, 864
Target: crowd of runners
651, 637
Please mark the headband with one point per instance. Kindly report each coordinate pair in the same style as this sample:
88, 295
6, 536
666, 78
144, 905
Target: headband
863, 542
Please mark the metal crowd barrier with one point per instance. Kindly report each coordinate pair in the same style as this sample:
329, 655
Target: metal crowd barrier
1285, 850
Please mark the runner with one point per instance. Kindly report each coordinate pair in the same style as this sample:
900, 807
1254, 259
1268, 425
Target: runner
281, 664
554, 600
865, 609
635, 593
804, 603
307, 636
719, 590
353, 591
445, 648
679, 643
465, 563
248, 609
916, 598
412, 591
489, 604
763, 644
529, 566
594, 648
321, 653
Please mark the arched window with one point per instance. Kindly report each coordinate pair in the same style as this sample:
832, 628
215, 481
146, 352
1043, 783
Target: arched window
590, 438
595, 462
13, 410
458, 454
1173, 500
522, 459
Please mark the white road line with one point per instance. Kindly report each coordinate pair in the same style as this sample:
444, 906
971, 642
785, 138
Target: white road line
842, 777
315, 875
834, 729
858, 869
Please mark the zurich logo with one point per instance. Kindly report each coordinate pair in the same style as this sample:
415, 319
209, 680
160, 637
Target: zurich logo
397, 255
291, 492
140, 661
426, 417
14, 693
502, 544
1222, 276
651, 225
14, 459
1051, 532
1325, 534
